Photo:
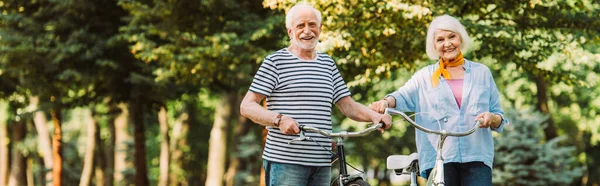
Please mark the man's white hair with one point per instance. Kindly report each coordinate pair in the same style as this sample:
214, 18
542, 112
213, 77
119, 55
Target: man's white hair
447, 23
290, 14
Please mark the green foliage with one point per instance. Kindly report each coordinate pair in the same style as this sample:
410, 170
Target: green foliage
67, 46
202, 43
522, 158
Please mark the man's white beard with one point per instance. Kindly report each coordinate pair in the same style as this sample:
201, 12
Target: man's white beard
312, 46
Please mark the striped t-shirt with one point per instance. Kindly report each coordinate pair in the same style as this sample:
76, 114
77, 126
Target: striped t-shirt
304, 90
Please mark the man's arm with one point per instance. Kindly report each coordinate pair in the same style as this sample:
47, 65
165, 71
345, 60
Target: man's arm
251, 109
359, 112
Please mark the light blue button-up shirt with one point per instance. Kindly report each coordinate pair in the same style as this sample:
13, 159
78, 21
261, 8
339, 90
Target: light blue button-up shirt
437, 107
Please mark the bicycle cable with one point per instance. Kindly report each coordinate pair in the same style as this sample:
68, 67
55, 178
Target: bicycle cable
333, 154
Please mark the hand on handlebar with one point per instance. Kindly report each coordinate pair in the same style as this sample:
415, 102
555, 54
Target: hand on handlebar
486, 119
289, 125
386, 119
379, 106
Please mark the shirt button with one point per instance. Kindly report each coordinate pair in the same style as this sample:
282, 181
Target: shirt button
446, 120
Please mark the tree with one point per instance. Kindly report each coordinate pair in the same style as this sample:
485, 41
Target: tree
191, 49
61, 45
523, 159
3, 143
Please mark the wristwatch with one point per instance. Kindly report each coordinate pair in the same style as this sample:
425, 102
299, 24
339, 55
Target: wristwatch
277, 119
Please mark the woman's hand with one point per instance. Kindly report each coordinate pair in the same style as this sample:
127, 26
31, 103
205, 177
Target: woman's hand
488, 120
379, 106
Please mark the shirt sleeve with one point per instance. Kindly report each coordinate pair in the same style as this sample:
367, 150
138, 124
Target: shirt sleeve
266, 78
495, 106
407, 95
339, 85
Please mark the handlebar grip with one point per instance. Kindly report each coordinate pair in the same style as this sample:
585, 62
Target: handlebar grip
301, 127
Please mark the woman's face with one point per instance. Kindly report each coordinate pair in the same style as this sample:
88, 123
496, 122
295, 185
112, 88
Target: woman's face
447, 44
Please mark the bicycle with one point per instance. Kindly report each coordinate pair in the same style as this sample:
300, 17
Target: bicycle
409, 164
344, 179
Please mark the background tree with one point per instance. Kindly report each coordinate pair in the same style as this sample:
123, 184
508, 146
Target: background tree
207, 44
523, 159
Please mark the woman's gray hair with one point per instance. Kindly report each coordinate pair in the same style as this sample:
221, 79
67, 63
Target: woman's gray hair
290, 14
447, 23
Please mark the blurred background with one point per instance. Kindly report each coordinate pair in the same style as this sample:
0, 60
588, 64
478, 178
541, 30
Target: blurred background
126, 92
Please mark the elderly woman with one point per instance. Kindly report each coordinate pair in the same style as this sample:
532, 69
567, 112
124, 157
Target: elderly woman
455, 92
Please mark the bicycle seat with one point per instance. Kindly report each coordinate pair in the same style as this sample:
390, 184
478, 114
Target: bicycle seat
399, 163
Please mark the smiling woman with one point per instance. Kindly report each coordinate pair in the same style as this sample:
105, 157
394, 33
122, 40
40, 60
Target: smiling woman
457, 92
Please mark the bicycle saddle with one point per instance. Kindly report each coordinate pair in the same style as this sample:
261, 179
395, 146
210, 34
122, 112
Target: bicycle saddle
403, 163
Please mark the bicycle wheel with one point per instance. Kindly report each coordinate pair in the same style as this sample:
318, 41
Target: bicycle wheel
356, 182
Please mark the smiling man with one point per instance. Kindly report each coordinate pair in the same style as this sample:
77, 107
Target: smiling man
300, 86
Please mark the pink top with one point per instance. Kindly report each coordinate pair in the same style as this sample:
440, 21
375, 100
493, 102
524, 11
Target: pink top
456, 85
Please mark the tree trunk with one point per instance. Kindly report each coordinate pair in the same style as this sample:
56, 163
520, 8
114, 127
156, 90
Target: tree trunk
241, 130
163, 180
262, 168
57, 143
18, 166
141, 171
109, 160
122, 150
542, 106
43, 132
88, 162
218, 141
178, 142
3, 143
29, 171
100, 158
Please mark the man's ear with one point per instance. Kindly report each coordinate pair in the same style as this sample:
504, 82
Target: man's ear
290, 34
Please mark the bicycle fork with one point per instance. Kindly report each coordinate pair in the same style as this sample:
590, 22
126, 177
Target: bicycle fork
342, 161
439, 162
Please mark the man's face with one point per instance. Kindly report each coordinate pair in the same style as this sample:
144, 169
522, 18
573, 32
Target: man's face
305, 29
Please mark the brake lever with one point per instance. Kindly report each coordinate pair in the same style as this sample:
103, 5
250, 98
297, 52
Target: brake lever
301, 138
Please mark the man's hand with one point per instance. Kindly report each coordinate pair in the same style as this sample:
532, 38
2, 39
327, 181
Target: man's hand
379, 106
386, 119
289, 125
489, 120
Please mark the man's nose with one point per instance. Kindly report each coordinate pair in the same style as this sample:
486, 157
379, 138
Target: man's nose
306, 30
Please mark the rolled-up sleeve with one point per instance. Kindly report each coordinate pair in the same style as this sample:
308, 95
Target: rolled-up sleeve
495, 106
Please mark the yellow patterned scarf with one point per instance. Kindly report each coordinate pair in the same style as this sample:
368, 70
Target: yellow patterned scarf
435, 78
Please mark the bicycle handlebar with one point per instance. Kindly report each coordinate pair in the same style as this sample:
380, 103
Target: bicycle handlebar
442, 132
343, 134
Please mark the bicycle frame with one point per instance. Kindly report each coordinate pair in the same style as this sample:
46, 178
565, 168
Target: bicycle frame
439, 160
343, 177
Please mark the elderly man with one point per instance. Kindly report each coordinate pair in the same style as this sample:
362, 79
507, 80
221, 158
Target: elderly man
300, 85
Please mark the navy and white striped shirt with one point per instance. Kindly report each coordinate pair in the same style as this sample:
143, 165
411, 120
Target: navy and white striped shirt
304, 90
